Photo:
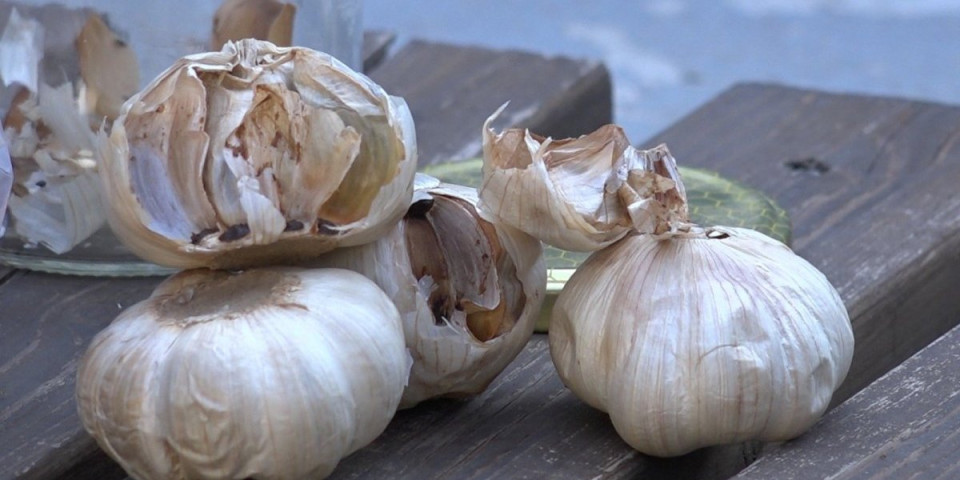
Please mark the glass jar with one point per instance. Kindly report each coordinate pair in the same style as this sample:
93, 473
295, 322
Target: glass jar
65, 69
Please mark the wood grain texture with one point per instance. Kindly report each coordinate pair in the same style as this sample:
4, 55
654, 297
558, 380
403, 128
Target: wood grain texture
452, 90
47, 321
6, 273
527, 425
904, 425
376, 44
870, 185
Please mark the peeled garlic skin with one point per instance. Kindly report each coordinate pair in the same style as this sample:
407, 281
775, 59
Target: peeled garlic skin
689, 341
448, 359
278, 374
256, 155
560, 191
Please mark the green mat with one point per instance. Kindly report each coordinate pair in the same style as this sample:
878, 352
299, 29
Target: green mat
712, 200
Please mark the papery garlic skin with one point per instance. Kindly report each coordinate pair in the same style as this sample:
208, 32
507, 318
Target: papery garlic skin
578, 194
701, 338
270, 20
270, 373
80, 72
56, 193
256, 155
455, 356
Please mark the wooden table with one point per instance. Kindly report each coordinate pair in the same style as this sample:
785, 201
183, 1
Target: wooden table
870, 184
904, 425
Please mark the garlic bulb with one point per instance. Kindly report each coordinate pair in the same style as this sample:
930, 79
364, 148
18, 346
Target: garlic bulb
270, 373
469, 291
256, 154
569, 192
699, 338
687, 336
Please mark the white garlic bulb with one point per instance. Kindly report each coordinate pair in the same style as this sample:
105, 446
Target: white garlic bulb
570, 192
699, 338
266, 373
469, 291
255, 155
688, 337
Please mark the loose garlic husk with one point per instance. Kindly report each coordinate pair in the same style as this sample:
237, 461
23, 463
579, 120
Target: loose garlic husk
258, 374
469, 291
254, 155
566, 192
687, 336
67, 86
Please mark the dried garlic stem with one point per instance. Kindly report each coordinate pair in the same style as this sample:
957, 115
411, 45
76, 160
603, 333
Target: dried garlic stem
653, 194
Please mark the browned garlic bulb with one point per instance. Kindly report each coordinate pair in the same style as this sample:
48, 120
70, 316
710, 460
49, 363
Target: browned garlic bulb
687, 336
256, 154
255, 374
469, 292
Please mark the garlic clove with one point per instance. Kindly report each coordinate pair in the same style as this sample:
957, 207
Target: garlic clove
699, 338
252, 374
470, 276
254, 155
108, 68
578, 194
168, 182
312, 184
270, 20
469, 291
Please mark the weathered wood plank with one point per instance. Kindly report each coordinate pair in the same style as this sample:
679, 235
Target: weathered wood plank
453, 89
904, 425
55, 317
376, 44
858, 218
526, 425
880, 218
6, 273
47, 322
870, 185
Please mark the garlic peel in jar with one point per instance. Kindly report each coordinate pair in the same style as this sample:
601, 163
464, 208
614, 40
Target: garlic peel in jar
579, 194
254, 155
269, 373
469, 291
699, 338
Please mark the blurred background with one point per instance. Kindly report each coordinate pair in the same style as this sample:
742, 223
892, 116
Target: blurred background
667, 57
